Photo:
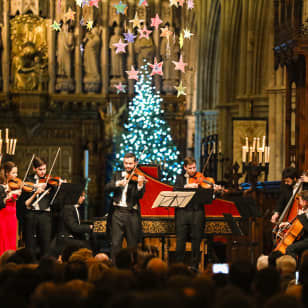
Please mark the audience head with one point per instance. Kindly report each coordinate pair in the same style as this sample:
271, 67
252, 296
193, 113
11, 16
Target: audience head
286, 265
262, 262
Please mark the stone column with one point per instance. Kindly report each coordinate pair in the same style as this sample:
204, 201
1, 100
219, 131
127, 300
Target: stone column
78, 56
156, 36
51, 50
131, 54
6, 46
105, 49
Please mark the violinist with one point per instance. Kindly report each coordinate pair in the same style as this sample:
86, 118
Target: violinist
297, 247
192, 217
128, 189
38, 219
8, 197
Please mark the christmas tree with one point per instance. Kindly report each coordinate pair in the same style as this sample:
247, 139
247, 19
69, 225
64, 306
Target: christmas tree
147, 131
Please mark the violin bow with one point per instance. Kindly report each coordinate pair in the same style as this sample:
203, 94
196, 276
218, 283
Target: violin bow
53, 164
207, 161
28, 169
131, 175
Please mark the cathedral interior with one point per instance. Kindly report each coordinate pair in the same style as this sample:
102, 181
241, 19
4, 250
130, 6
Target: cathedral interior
244, 84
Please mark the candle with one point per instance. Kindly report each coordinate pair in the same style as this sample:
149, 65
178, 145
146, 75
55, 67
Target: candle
250, 154
246, 142
14, 146
7, 146
254, 144
244, 152
263, 143
214, 147
260, 156
0, 134
266, 154
258, 143
11, 146
219, 146
6, 134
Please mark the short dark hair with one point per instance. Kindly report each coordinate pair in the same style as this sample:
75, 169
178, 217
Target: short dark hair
130, 155
189, 161
289, 172
38, 162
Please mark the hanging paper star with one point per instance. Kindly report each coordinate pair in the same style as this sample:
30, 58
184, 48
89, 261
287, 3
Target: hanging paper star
165, 32
190, 4
156, 67
174, 2
90, 25
79, 2
120, 88
84, 3
129, 37
180, 89
59, 4
55, 26
143, 2
144, 32
82, 21
70, 14
94, 3
180, 65
181, 2
187, 34
120, 46
156, 22
120, 7
136, 21
181, 40
132, 74
81, 49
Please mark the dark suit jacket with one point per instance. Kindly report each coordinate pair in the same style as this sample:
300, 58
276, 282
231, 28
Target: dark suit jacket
133, 194
69, 225
285, 193
202, 196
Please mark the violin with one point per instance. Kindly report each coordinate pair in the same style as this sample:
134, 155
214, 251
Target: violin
17, 183
202, 181
53, 181
134, 176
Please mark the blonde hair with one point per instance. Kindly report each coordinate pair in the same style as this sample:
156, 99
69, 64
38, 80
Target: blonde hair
262, 262
286, 264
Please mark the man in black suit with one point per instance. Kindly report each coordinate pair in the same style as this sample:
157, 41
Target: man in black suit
125, 219
38, 214
191, 219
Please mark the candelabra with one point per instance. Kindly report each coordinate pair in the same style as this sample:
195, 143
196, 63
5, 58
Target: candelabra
255, 159
8, 145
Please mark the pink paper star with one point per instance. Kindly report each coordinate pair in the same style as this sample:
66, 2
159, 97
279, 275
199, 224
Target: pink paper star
156, 67
190, 4
156, 22
120, 46
120, 88
181, 2
94, 3
165, 32
132, 74
143, 2
180, 65
144, 32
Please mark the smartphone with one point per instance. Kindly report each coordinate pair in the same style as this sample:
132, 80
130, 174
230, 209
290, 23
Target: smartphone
297, 277
222, 268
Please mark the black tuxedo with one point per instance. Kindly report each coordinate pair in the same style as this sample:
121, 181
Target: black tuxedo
38, 222
125, 221
189, 220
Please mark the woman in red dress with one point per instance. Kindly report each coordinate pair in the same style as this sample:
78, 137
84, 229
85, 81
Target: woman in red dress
8, 220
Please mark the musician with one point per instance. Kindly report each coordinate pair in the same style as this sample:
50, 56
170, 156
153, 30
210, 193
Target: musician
300, 245
38, 219
191, 218
289, 177
125, 219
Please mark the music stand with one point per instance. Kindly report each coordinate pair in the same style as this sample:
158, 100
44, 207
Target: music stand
178, 199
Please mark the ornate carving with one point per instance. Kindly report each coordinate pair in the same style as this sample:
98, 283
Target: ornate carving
92, 42
65, 47
144, 49
29, 53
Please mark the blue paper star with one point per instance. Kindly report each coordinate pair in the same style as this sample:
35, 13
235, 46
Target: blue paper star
120, 7
129, 37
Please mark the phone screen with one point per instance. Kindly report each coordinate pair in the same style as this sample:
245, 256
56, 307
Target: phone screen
222, 268
297, 277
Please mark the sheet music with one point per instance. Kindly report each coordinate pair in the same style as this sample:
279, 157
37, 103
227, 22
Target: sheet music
173, 199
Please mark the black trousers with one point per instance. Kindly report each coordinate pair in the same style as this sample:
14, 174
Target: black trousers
38, 226
189, 222
124, 222
297, 248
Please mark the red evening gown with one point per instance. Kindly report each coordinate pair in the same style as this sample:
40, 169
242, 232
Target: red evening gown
8, 226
